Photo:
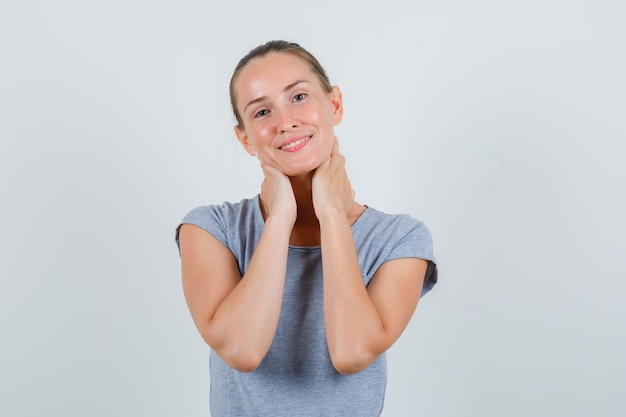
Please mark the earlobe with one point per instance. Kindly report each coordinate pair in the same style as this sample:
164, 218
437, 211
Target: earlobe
243, 139
336, 99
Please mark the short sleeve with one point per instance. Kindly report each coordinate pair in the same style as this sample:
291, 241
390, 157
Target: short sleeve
414, 240
207, 218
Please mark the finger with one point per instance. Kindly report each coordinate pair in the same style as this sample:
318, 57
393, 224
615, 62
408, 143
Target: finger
270, 170
335, 150
325, 165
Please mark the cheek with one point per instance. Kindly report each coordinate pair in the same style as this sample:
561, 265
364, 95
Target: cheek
259, 137
328, 132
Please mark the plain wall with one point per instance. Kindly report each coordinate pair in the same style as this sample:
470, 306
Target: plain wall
500, 124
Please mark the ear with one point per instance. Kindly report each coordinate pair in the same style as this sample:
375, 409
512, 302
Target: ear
243, 139
336, 100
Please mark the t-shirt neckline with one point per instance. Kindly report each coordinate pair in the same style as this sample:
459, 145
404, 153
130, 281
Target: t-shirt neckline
260, 220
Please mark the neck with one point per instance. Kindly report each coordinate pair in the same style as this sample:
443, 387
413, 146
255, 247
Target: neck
306, 230
303, 192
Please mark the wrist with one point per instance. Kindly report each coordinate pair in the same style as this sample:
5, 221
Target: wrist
280, 221
332, 218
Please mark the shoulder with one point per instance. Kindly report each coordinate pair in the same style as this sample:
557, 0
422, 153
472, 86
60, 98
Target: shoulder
397, 236
396, 226
218, 219
391, 236
224, 211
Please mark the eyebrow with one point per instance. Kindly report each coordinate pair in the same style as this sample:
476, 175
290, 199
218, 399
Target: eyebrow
287, 88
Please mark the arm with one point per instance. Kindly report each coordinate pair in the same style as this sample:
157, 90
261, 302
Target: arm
361, 323
237, 316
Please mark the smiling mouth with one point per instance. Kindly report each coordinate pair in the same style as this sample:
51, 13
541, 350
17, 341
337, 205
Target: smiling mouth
295, 143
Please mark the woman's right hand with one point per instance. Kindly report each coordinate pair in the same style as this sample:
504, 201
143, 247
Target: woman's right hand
277, 198
238, 315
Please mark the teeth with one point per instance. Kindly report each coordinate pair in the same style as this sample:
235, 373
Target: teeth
296, 143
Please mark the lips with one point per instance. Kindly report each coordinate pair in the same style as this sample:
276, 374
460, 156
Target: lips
295, 143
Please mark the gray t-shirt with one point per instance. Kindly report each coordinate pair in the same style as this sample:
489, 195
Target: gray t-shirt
296, 377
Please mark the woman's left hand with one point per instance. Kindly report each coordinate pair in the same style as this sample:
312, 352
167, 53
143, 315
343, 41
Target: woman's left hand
332, 191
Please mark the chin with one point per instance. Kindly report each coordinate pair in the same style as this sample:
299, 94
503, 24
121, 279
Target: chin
303, 169
299, 173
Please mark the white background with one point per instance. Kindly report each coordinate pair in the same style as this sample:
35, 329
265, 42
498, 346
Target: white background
501, 124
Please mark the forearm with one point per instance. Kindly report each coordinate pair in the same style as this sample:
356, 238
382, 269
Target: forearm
353, 325
243, 326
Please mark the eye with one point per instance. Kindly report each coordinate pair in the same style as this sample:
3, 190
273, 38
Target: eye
261, 113
298, 97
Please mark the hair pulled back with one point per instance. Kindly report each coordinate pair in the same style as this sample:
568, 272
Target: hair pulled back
282, 47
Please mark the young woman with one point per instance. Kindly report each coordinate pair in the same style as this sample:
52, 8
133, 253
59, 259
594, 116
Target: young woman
300, 290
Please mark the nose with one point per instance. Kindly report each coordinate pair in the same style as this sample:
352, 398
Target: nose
286, 119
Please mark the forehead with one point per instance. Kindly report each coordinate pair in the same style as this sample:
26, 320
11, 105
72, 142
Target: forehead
273, 71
